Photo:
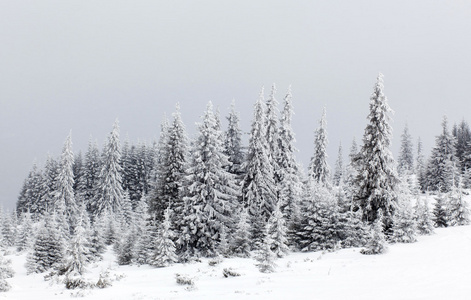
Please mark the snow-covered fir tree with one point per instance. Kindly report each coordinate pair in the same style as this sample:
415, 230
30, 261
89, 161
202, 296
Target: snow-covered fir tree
211, 192
9, 228
90, 174
458, 208
233, 148
404, 227
290, 185
271, 127
164, 253
377, 240
440, 210
320, 227
319, 169
64, 202
48, 249
241, 240
97, 239
6, 271
405, 162
265, 257
258, 186
25, 237
109, 190
442, 164
78, 250
339, 170
424, 217
278, 233
377, 179
172, 172
351, 172
462, 135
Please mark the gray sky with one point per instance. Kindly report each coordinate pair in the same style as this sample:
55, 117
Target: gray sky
80, 64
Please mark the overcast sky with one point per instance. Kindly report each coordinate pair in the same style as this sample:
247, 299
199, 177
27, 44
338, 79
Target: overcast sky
79, 65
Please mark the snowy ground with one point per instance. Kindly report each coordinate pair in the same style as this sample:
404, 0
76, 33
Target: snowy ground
436, 267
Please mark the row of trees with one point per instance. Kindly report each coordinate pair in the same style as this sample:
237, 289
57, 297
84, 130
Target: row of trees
180, 199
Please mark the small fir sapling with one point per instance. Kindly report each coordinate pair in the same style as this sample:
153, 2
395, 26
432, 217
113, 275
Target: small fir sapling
424, 217
265, 256
377, 242
440, 211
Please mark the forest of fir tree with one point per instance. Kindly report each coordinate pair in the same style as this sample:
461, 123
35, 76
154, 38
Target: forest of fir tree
176, 200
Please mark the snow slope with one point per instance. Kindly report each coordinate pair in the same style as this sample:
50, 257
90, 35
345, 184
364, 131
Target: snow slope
437, 267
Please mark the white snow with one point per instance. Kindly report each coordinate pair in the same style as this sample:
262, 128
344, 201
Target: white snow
436, 267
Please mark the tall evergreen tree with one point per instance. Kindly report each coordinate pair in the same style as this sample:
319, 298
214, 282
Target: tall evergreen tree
258, 186
319, 169
278, 232
377, 180
339, 171
174, 162
462, 135
233, 143
91, 173
441, 167
110, 190
212, 192
271, 127
290, 188
65, 197
405, 162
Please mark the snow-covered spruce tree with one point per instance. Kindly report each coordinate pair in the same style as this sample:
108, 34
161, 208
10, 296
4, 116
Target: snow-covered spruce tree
64, 201
109, 190
32, 196
420, 166
51, 174
462, 135
377, 241
265, 256
351, 172
164, 249
290, 185
25, 237
78, 251
405, 162
211, 191
271, 127
258, 186
6, 271
440, 210
48, 248
278, 233
423, 216
90, 175
97, 239
320, 227
9, 228
241, 241
233, 143
441, 166
319, 170
404, 227
157, 203
173, 157
339, 171
354, 232
78, 174
376, 180
458, 209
